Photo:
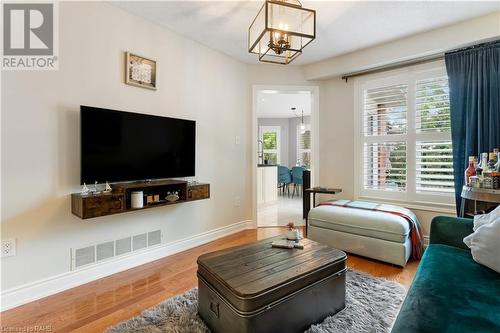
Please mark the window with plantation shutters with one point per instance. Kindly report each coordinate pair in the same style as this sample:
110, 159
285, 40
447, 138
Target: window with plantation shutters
404, 148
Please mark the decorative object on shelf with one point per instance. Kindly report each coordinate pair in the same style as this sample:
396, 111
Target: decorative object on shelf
107, 188
85, 190
95, 190
281, 29
136, 199
149, 199
156, 198
172, 197
140, 71
293, 232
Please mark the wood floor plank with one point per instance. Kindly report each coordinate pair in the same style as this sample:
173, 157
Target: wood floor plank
97, 305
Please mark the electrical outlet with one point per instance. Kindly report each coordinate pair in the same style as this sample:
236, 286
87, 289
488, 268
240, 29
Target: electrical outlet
237, 201
8, 248
237, 140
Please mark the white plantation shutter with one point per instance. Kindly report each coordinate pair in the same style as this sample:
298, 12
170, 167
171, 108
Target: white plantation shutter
432, 105
385, 166
434, 166
405, 146
304, 146
385, 110
384, 118
434, 159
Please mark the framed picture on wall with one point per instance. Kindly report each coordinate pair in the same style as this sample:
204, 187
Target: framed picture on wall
140, 71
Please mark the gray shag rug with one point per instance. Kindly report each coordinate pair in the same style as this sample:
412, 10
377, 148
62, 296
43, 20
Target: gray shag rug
372, 305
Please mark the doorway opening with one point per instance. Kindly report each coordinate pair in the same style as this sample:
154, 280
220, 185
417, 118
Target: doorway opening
285, 149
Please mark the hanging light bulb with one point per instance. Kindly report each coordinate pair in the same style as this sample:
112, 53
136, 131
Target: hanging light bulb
302, 125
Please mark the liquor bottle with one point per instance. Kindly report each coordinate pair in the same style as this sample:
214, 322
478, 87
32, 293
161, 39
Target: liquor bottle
491, 163
497, 160
470, 171
479, 169
484, 162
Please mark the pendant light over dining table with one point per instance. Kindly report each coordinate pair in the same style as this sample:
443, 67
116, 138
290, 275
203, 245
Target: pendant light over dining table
281, 29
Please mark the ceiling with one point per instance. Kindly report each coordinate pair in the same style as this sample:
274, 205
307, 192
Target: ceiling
342, 26
275, 104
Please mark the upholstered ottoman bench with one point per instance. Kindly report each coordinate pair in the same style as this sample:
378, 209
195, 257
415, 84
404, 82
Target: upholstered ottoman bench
368, 229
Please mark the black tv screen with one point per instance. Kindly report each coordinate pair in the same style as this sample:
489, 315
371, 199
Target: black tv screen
125, 146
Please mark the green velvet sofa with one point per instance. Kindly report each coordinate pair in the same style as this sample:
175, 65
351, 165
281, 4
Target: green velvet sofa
450, 292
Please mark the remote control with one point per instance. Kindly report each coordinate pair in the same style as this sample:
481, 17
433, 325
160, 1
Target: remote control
284, 244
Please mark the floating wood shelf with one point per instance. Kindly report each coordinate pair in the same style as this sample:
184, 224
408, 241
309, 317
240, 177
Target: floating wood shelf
118, 201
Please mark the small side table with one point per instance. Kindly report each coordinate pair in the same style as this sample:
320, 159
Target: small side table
478, 194
314, 191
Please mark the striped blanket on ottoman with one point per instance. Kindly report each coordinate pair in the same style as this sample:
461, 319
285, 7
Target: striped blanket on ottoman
416, 235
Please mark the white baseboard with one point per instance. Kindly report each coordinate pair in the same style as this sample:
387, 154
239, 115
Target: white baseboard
42, 288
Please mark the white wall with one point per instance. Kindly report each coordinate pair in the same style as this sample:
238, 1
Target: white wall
40, 136
337, 136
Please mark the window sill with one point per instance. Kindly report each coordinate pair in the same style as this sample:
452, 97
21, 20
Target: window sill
418, 205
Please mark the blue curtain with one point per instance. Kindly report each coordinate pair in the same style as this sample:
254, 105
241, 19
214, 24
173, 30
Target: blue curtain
474, 81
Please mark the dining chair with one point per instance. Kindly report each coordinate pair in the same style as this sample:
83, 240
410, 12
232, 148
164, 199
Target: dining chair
297, 179
284, 179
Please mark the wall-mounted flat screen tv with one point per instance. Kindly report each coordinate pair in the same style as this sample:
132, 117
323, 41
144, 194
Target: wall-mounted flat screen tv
124, 146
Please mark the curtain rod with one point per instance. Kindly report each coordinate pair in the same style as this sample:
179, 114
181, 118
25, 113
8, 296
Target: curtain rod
420, 60
395, 65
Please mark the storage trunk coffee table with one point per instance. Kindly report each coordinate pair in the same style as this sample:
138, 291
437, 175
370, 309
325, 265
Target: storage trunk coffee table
258, 288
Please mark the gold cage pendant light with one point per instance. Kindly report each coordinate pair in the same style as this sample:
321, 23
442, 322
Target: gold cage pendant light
280, 31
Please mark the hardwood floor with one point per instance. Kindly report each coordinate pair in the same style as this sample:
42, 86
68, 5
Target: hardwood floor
99, 304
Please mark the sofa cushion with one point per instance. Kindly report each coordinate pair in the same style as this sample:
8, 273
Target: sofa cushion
360, 222
451, 293
484, 244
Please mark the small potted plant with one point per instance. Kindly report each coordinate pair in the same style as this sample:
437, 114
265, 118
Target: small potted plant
293, 232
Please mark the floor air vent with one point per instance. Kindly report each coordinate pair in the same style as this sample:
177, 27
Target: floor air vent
109, 249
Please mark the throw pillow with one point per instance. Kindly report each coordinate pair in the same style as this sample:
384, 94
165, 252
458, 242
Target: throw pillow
483, 219
484, 244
